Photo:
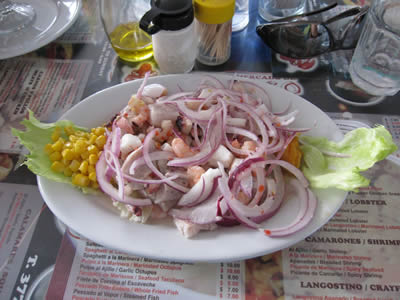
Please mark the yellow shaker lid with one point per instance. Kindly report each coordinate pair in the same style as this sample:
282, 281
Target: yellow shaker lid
214, 11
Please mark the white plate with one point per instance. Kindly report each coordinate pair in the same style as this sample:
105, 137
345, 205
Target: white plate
96, 219
53, 18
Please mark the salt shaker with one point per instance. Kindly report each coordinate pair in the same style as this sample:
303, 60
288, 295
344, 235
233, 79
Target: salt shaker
214, 30
171, 24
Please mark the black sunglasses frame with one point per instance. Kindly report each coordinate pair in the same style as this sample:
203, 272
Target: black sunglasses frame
293, 21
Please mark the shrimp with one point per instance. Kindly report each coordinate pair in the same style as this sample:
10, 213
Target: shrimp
194, 173
180, 148
243, 198
235, 143
249, 146
142, 116
140, 109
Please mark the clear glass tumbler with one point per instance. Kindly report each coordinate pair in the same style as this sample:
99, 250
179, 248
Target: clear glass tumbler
273, 9
241, 17
375, 66
121, 23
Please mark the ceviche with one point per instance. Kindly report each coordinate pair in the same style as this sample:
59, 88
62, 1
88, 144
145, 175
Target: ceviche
215, 156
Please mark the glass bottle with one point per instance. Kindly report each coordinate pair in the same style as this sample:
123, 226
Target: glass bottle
171, 25
214, 30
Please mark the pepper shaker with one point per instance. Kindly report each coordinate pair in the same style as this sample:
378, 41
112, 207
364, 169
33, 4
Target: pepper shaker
214, 30
171, 24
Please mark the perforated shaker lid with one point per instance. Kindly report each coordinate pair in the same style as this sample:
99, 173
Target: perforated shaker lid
167, 15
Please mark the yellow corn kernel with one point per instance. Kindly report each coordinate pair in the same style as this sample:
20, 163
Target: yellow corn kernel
74, 165
66, 162
82, 134
101, 141
69, 130
56, 134
57, 167
81, 180
85, 155
84, 167
80, 146
94, 185
68, 154
93, 158
67, 172
58, 146
56, 155
99, 131
72, 138
48, 149
91, 168
92, 149
92, 176
92, 139
68, 145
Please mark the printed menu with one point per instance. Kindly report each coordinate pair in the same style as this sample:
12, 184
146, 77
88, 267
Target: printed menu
25, 227
48, 87
87, 270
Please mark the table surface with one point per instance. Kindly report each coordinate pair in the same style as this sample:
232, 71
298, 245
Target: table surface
314, 79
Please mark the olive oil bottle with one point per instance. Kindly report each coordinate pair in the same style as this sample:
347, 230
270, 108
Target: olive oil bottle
131, 43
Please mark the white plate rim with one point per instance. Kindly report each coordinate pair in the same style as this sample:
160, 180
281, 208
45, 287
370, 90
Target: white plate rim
50, 191
57, 29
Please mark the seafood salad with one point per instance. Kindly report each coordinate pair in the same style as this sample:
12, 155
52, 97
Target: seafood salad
217, 155
210, 157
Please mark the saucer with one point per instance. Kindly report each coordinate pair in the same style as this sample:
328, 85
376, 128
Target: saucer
53, 18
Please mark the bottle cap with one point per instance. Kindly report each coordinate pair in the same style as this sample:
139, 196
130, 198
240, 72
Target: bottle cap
167, 15
214, 11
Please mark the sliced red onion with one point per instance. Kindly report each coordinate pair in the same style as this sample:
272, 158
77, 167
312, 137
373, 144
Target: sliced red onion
118, 172
154, 156
202, 116
264, 95
243, 132
202, 189
292, 169
146, 155
110, 190
174, 97
142, 85
246, 185
285, 120
211, 145
137, 153
303, 218
116, 140
231, 201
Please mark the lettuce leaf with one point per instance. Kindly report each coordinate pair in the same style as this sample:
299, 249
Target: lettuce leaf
34, 138
359, 150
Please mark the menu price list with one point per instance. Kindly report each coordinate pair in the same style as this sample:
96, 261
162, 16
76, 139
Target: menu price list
97, 273
111, 273
356, 253
231, 281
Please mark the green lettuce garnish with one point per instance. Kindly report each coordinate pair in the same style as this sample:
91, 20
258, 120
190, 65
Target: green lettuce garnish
359, 150
34, 138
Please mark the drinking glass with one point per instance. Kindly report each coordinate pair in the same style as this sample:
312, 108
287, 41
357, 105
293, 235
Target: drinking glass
15, 16
273, 9
241, 17
121, 23
375, 66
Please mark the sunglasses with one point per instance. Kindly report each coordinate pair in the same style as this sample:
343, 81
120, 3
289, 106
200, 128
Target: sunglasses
298, 38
